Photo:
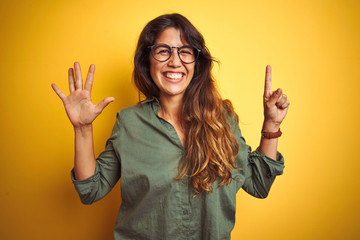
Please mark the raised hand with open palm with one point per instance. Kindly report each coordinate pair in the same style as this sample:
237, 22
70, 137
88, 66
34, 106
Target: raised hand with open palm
78, 105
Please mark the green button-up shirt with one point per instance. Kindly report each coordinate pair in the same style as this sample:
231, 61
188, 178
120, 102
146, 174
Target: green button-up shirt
145, 150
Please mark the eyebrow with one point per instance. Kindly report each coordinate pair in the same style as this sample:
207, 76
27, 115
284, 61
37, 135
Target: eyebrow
186, 45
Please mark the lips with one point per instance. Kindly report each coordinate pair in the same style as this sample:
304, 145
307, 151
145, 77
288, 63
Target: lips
173, 76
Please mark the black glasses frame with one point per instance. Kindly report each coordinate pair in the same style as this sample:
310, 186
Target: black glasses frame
171, 52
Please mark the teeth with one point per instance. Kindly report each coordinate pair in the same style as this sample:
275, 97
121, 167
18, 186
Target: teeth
173, 75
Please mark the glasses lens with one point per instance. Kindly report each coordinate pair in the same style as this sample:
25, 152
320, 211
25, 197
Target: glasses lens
161, 52
187, 54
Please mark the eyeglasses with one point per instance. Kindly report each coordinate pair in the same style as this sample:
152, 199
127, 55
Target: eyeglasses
162, 52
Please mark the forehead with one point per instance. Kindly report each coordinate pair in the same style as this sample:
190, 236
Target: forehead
172, 37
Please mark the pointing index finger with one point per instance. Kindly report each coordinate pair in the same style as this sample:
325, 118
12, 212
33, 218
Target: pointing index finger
268, 85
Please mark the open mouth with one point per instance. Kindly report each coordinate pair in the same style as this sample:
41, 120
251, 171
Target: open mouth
173, 76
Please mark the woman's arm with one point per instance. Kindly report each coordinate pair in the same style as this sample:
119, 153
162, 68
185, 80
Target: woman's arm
276, 106
84, 162
81, 113
269, 146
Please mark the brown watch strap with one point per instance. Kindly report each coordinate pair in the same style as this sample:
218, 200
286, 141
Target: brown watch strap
270, 135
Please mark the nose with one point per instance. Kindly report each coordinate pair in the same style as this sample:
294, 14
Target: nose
174, 59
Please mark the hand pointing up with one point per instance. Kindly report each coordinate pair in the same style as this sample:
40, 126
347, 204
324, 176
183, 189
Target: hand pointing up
78, 105
275, 103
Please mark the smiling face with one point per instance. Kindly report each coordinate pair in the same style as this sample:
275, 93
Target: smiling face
172, 77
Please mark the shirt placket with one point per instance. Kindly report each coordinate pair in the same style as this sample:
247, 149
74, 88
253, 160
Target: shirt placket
183, 206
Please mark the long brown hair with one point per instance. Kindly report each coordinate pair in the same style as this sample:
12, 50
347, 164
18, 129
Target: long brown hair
210, 147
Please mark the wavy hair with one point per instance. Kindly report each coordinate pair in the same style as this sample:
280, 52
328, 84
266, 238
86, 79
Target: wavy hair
210, 147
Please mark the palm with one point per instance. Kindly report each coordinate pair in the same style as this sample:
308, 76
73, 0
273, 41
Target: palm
275, 103
79, 108
78, 105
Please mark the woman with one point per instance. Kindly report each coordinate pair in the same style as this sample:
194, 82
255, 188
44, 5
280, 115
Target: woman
179, 153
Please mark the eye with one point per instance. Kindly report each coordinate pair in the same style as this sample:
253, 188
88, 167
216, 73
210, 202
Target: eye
162, 50
186, 51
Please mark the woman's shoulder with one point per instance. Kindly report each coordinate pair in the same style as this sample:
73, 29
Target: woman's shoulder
136, 111
231, 117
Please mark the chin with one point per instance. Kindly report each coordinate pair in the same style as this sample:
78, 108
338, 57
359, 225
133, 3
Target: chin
173, 93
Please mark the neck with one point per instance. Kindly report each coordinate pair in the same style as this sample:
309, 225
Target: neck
171, 108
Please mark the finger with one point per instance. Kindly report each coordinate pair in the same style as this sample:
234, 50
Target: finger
100, 107
78, 77
275, 96
268, 84
71, 80
281, 100
90, 78
58, 92
285, 105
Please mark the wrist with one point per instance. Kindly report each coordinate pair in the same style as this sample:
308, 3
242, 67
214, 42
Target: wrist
270, 126
83, 128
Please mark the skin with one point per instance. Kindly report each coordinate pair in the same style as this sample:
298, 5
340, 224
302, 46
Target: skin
172, 92
276, 106
81, 111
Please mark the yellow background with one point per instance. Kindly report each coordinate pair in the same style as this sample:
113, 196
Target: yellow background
312, 46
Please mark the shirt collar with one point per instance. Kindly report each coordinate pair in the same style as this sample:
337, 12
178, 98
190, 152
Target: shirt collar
150, 100
154, 103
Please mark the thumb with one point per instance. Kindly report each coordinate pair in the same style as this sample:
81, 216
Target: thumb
101, 105
275, 96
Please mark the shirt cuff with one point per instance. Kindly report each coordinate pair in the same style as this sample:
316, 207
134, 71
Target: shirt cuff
275, 167
94, 178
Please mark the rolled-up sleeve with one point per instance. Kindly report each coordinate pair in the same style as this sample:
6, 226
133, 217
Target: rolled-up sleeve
258, 171
107, 172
